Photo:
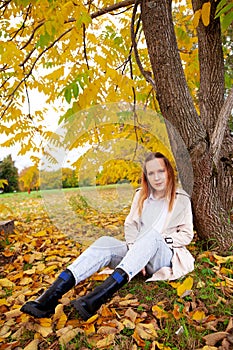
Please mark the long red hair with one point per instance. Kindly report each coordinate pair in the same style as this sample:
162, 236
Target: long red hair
171, 185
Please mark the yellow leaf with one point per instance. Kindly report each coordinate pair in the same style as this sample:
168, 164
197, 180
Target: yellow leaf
223, 259
90, 329
196, 18
26, 280
45, 322
50, 269
92, 319
4, 282
44, 331
226, 271
156, 345
106, 312
175, 284
3, 302
40, 234
129, 302
159, 312
5, 207
185, 286
198, 315
205, 13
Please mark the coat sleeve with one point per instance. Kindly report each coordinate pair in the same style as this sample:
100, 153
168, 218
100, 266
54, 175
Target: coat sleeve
180, 231
132, 222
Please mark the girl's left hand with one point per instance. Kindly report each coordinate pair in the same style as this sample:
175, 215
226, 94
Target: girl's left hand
143, 271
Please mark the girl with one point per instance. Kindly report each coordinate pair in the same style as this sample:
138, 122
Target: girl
157, 230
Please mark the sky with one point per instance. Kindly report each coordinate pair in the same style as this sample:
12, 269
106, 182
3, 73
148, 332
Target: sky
37, 102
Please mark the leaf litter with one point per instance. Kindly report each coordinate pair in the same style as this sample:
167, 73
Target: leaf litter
195, 312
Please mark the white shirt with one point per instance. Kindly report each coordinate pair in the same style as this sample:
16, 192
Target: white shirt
154, 214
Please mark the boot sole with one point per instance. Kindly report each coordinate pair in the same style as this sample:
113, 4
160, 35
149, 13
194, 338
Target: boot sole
31, 308
81, 310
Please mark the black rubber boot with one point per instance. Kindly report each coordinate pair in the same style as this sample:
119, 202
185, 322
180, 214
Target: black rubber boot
90, 303
45, 305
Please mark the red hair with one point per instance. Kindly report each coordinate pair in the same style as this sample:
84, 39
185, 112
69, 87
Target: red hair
171, 184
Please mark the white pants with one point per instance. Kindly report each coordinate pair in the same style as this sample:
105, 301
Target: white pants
149, 250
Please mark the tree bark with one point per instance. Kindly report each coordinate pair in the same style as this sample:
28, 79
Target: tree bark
210, 218
213, 113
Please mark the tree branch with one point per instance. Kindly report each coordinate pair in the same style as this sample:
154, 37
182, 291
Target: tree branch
112, 8
146, 74
11, 96
220, 128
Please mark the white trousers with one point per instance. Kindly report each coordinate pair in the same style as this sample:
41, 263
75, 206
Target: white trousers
149, 250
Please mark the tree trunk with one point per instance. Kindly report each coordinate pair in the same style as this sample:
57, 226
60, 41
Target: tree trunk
211, 220
211, 97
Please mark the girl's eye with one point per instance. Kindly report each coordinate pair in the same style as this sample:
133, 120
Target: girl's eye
161, 171
150, 174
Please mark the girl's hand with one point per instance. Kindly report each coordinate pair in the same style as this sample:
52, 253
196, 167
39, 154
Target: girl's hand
143, 271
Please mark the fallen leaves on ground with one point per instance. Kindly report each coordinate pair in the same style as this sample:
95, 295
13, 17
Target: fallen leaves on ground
158, 315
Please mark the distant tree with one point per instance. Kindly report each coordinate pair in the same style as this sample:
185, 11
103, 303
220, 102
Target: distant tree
29, 179
69, 178
9, 172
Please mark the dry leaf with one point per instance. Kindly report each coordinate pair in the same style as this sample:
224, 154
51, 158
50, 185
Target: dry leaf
4, 282
25, 281
44, 331
213, 338
12, 313
128, 324
5, 332
69, 335
33, 345
107, 341
107, 330
129, 302
131, 314
89, 329
105, 311
146, 331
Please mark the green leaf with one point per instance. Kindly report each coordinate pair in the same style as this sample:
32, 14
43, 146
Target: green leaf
75, 89
68, 94
227, 20
224, 10
44, 40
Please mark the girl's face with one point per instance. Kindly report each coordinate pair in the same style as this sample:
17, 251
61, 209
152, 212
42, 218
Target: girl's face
157, 176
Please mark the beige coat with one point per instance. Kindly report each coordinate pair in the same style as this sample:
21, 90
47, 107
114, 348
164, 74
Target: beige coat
178, 226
